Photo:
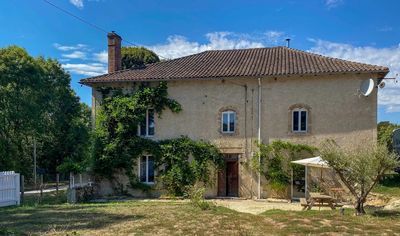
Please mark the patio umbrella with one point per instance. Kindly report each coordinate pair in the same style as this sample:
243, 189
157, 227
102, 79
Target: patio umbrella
313, 162
309, 162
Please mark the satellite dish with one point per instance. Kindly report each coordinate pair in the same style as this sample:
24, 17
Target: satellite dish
382, 85
367, 86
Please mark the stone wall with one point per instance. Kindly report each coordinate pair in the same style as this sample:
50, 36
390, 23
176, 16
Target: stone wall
336, 111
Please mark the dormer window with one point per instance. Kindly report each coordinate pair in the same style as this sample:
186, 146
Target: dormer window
228, 122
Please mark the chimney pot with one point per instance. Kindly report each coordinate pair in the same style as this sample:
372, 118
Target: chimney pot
114, 52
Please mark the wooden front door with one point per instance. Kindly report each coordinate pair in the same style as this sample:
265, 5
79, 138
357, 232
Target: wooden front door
228, 178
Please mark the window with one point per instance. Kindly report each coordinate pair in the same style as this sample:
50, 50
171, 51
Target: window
228, 121
299, 120
146, 169
146, 127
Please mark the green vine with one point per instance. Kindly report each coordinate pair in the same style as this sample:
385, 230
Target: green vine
187, 162
276, 163
117, 146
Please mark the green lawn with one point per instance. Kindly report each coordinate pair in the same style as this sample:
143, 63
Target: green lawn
390, 186
52, 217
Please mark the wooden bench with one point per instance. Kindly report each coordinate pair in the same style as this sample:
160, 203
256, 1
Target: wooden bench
338, 204
307, 205
303, 203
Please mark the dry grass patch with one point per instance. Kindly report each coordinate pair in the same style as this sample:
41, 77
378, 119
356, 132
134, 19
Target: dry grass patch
332, 222
130, 217
135, 217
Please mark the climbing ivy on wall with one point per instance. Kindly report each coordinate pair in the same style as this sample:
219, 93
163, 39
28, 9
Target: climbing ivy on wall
117, 146
187, 162
276, 163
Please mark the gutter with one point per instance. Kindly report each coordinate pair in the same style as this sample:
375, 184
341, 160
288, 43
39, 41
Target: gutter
88, 82
259, 136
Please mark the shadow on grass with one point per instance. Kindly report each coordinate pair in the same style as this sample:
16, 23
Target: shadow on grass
386, 213
52, 213
52, 198
37, 220
391, 180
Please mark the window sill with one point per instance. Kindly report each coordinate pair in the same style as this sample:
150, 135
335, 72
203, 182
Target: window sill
148, 183
299, 133
228, 133
147, 136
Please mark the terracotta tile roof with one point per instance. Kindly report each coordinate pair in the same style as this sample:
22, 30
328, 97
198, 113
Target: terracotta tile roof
275, 61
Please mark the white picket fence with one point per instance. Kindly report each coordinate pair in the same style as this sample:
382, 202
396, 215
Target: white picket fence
9, 188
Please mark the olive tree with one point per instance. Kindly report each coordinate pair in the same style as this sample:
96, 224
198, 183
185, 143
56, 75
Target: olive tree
359, 168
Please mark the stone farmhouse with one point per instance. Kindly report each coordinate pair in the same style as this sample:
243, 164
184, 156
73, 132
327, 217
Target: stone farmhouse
234, 98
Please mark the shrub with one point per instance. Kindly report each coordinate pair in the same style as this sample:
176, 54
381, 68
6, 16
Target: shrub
196, 195
276, 163
187, 162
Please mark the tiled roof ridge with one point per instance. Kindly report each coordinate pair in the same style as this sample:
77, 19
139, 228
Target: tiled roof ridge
249, 62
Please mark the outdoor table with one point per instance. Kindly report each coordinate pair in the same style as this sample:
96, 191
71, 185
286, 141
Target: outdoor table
321, 200
337, 193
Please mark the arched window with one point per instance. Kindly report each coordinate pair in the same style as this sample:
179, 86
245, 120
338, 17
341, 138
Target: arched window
299, 119
228, 121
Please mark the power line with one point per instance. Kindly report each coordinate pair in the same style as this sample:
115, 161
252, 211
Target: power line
76, 17
90, 24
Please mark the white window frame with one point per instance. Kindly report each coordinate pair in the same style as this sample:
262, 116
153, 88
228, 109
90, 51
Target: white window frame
147, 169
147, 125
229, 117
299, 110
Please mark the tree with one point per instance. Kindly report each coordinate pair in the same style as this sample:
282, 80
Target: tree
360, 169
22, 101
65, 144
37, 103
137, 57
385, 132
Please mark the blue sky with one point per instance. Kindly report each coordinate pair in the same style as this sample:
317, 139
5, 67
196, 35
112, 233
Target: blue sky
365, 31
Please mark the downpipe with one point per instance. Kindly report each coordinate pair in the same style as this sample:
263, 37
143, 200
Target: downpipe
259, 136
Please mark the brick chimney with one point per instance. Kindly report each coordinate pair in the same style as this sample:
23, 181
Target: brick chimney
114, 52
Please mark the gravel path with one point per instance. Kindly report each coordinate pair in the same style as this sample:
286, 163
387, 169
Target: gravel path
257, 207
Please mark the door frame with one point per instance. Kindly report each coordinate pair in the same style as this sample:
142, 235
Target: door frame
222, 191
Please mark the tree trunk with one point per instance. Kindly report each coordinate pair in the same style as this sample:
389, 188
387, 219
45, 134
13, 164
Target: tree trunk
360, 207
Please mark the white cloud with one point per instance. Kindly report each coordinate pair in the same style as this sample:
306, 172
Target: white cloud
178, 46
390, 57
90, 69
77, 3
101, 56
75, 55
80, 3
389, 97
333, 3
69, 47
274, 36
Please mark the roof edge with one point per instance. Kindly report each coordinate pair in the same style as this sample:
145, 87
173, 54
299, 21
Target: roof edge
380, 74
